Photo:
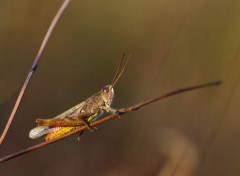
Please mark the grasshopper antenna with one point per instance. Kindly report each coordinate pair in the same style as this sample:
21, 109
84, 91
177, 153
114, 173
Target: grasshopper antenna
119, 65
117, 76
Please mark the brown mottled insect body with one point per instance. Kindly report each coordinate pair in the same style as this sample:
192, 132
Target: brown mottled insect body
82, 114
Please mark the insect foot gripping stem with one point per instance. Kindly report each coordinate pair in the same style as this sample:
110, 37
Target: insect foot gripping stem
88, 126
120, 111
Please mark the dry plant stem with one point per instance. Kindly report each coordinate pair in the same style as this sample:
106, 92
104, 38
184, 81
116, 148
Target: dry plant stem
33, 68
121, 112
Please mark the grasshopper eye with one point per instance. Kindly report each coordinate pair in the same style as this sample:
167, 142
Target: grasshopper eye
106, 89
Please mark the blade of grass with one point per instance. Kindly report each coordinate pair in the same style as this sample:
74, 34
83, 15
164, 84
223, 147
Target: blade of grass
105, 119
33, 68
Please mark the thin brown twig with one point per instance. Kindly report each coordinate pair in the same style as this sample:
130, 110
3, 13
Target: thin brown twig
33, 68
120, 112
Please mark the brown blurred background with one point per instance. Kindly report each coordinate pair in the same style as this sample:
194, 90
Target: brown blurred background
173, 44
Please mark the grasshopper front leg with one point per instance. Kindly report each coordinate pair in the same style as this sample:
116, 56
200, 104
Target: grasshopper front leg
109, 109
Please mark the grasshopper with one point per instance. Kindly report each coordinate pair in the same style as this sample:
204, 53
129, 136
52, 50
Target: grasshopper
80, 115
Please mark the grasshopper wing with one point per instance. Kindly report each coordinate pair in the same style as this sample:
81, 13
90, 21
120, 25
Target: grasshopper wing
39, 131
74, 110
52, 132
70, 121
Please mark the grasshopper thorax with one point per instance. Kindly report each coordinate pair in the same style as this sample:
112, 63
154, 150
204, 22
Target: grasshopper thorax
107, 94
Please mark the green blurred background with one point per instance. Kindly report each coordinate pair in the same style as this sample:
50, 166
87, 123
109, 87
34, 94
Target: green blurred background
173, 44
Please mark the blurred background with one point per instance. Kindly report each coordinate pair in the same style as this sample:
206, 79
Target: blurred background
174, 44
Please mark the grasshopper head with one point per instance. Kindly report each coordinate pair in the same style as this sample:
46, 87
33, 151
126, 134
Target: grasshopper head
107, 94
